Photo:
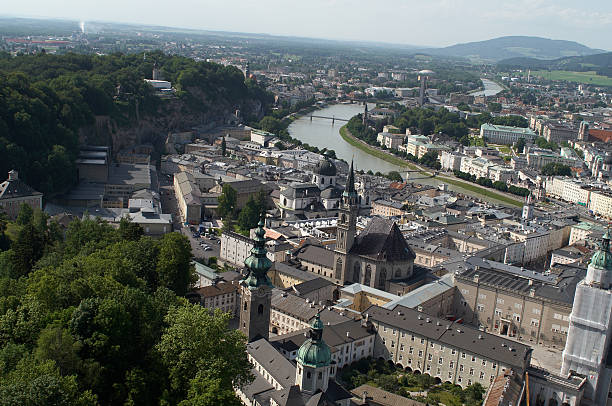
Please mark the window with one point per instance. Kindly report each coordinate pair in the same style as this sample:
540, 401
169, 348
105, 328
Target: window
393, 331
535, 311
535, 322
368, 275
431, 344
450, 375
459, 379
480, 307
428, 367
400, 357
482, 296
471, 371
461, 368
498, 312
517, 317
481, 375
245, 305
339, 268
440, 360
420, 353
465, 291
558, 316
518, 306
385, 329
500, 300
401, 347
422, 341
473, 358
484, 363
451, 364
392, 344
429, 357
453, 351
463, 355
410, 350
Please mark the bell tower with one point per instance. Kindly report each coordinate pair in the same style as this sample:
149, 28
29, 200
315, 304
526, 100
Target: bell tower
313, 360
256, 291
346, 228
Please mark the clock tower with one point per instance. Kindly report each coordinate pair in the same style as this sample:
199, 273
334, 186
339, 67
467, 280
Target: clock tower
256, 291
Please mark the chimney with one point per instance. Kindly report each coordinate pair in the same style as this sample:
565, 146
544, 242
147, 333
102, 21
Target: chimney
348, 335
532, 292
364, 397
476, 278
13, 175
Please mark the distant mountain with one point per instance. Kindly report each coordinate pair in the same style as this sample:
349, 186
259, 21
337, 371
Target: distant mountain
600, 63
497, 49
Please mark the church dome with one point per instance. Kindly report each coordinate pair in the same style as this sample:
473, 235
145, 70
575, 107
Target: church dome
325, 167
315, 352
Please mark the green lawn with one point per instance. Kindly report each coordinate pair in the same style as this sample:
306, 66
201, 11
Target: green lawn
590, 77
482, 191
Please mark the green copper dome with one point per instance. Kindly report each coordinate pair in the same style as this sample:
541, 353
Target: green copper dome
315, 352
258, 263
603, 258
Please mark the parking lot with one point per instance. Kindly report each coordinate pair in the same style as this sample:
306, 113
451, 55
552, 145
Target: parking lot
202, 247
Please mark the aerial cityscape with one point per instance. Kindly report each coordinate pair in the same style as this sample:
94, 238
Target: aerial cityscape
308, 211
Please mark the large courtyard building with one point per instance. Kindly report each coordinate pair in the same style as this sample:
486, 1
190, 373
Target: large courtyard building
14, 192
503, 134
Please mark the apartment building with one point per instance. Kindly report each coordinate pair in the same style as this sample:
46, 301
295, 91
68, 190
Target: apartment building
188, 198
600, 203
445, 350
387, 208
223, 296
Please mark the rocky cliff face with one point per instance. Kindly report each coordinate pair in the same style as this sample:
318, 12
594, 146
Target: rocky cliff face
173, 115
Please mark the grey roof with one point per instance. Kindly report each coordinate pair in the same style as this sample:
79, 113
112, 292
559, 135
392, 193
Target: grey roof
556, 287
11, 189
424, 293
281, 369
294, 272
301, 309
453, 334
259, 386
382, 240
288, 396
310, 286
301, 190
331, 192
333, 335
382, 397
317, 255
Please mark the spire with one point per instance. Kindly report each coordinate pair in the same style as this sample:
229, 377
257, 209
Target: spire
349, 190
258, 263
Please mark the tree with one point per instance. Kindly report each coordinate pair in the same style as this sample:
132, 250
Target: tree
202, 354
55, 343
556, 169
395, 176
519, 146
227, 200
174, 269
130, 231
494, 107
25, 214
223, 146
249, 215
279, 145
27, 248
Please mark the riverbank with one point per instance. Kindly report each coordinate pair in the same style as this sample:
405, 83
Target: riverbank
386, 156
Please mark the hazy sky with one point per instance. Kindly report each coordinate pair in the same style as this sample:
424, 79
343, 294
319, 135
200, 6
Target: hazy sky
423, 22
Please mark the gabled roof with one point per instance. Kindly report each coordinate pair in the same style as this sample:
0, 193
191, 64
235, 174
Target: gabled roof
382, 240
15, 188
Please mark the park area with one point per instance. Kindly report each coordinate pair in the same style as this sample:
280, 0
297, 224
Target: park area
419, 387
590, 77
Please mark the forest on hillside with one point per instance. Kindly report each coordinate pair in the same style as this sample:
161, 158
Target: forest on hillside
46, 99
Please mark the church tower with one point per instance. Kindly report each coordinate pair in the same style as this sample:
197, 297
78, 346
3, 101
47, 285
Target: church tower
346, 229
256, 291
313, 360
590, 327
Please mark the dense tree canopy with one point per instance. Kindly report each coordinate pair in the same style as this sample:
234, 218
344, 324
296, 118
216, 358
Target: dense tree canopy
45, 100
93, 317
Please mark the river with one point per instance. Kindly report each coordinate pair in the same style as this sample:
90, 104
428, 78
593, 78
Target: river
490, 88
320, 132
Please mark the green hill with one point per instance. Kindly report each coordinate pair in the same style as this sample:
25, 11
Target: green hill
514, 47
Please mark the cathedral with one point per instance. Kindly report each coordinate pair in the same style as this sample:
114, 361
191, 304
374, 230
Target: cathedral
376, 256
278, 381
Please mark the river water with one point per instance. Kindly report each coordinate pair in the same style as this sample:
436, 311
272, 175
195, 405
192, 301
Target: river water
490, 88
321, 133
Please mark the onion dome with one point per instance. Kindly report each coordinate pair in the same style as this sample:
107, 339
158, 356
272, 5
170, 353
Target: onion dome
258, 263
315, 352
599, 272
